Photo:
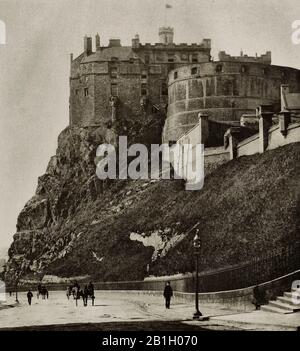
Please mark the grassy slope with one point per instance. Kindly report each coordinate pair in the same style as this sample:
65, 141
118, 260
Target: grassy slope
247, 206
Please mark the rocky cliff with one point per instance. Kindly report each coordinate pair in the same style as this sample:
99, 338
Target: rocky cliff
76, 224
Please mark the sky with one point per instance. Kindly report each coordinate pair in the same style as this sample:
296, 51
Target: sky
34, 65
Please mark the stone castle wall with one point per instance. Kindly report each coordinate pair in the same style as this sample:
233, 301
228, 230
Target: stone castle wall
224, 91
131, 73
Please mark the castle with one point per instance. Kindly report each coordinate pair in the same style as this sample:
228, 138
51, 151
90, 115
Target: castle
179, 80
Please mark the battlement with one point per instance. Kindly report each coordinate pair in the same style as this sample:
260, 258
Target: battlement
205, 44
265, 58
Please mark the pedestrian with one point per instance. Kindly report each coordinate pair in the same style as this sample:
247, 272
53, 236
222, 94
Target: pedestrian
168, 293
29, 297
85, 295
259, 297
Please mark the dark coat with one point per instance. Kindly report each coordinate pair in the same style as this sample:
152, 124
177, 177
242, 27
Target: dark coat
168, 292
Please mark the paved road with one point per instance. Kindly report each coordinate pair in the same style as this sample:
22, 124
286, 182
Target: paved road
130, 311
133, 311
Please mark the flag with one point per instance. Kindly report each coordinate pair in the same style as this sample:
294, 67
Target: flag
168, 6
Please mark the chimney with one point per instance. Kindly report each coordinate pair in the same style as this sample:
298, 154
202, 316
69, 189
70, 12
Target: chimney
87, 45
97, 41
265, 115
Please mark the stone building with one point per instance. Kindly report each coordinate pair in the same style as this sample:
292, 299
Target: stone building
225, 90
124, 81
180, 81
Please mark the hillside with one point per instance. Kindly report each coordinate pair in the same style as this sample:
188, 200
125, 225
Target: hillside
76, 224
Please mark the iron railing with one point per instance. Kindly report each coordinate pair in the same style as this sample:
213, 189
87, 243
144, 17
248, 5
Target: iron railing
269, 266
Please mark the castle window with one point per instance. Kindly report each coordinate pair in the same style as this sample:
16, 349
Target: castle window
194, 58
175, 75
244, 69
171, 58
76, 91
144, 89
164, 89
113, 72
194, 70
114, 89
144, 75
86, 91
265, 71
147, 59
219, 68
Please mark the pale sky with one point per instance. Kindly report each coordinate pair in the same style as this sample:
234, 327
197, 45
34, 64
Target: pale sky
34, 65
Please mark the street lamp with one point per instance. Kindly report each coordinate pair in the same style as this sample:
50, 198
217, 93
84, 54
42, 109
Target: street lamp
197, 246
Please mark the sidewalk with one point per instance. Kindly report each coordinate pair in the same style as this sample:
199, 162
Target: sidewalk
256, 320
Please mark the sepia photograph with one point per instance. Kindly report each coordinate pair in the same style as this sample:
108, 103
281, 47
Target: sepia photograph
150, 168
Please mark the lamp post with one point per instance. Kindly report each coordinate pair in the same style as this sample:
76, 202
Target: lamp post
197, 246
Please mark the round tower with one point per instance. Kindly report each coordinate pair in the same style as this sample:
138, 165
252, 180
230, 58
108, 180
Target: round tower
166, 35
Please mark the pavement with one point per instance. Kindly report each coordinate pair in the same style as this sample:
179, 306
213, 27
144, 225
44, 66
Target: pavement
116, 307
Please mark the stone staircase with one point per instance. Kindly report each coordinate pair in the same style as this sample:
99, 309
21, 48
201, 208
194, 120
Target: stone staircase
283, 304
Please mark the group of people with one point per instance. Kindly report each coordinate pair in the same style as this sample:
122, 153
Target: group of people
75, 291
41, 290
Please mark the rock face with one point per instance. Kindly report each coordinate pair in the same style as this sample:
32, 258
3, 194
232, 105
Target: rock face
77, 225
52, 222
69, 181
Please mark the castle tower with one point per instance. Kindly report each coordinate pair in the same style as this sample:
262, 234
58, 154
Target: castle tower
136, 41
166, 35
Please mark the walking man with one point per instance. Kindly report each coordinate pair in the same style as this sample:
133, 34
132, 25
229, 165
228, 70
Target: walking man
168, 293
29, 297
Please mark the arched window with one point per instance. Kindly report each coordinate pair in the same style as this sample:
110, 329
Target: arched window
175, 75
